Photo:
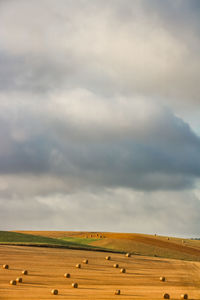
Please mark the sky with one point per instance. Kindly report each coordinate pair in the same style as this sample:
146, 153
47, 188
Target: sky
100, 116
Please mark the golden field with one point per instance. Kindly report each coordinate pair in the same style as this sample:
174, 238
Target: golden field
97, 279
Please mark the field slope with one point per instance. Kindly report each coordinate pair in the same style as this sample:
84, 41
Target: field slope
141, 244
27, 239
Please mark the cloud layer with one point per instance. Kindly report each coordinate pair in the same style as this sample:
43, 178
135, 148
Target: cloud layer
118, 142
99, 102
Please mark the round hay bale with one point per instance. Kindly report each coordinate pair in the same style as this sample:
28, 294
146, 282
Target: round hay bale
123, 270
25, 272
13, 282
184, 296
115, 266
75, 285
19, 279
108, 258
128, 255
85, 261
117, 292
54, 292
5, 266
166, 296
162, 278
78, 266
67, 275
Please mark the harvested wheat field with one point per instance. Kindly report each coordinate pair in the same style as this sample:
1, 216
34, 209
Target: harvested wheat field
97, 279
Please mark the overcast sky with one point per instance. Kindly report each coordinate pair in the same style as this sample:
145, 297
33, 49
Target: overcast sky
100, 115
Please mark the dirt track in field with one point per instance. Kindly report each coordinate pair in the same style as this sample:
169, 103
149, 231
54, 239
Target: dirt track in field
98, 279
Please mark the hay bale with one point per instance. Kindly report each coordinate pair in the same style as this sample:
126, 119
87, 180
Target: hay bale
108, 258
128, 255
162, 278
67, 275
54, 292
75, 285
115, 266
25, 272
13, 282
85, 261
117, 292
78, 266
184, 296
123, 270
166, 296
19, 279
5, 266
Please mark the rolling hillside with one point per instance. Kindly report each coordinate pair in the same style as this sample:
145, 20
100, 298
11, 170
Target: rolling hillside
27, 239
150, 245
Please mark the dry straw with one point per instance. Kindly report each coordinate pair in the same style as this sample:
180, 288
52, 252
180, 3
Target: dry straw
85, 261
184, 296
128, 255
54, 292
117, 292
25, 272
5, 266
162, 278
13, 282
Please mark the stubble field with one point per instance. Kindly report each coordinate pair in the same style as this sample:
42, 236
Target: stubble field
96, 280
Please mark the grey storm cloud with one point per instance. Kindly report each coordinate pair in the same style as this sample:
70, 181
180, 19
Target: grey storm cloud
141, 145
99, 107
